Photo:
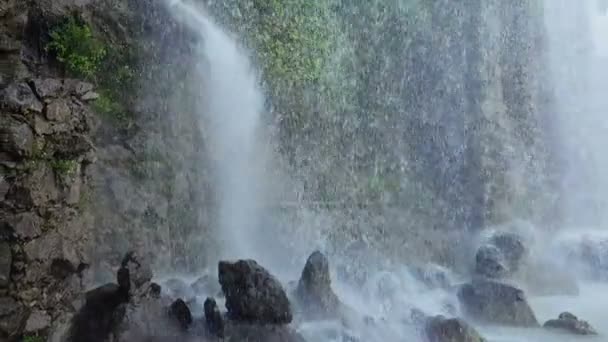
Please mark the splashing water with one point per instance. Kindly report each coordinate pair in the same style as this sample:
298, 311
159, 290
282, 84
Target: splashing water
230, 112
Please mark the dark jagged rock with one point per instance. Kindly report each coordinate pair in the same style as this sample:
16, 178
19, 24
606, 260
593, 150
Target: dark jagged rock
568, 322
253, 294
155, 290
490, 262
139, 271
441, 329
495, 302
314, 292
213, 317
180, 311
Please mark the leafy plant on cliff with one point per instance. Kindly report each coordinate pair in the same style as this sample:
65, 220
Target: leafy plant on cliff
75, 46
33, 338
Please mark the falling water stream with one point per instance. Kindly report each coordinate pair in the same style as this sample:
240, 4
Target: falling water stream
230, 114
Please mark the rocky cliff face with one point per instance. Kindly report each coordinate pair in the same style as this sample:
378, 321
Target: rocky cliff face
78, 186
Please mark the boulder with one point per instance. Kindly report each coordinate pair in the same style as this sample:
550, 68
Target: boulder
58, 111
570, 323
6, 260
26, 225
441, 329
37, 322
47, 87
16, 138
180, 311
213, 318
253, 294
13, 316
20, 97
494, 302
314, 292
489, 262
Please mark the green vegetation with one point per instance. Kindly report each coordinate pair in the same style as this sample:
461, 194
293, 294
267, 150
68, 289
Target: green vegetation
74, 45
64, 167
33, 338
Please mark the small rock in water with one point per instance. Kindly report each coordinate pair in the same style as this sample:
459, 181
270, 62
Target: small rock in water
568, 322
253, 294
494, 302
314, 290
441, 329
180, 311
213, 317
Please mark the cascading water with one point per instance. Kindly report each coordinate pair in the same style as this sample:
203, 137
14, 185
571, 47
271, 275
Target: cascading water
230, 112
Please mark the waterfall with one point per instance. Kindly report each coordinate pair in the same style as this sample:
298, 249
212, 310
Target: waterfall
578, 53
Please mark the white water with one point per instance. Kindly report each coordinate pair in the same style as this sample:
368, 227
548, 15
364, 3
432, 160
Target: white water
232, 106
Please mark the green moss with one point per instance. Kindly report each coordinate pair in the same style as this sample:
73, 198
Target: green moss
64, 167
33, 338
74, 45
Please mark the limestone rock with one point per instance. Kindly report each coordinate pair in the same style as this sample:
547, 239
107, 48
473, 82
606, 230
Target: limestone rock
495, 302
26, 225
58, 111
21, 98
48, 87
5, 264
253, 294
38, 321
39, 187
16, 138
568, 322
57, 250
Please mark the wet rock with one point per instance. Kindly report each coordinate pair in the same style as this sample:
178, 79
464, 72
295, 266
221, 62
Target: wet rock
441, 329
180, 311
48, 87
139, 270
13, 317
21, 98
37, 322
495, 302
314, 290
213, 318
253, 294
490, 262
26, 225
568, 322
16, 138
512, 247
6, 261
58, 111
